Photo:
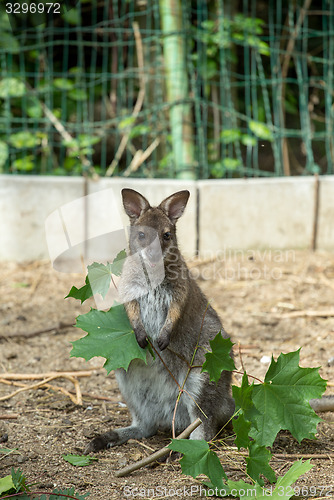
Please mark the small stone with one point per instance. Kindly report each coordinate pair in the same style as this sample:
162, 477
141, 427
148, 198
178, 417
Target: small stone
122, 462
136, 456
67, 421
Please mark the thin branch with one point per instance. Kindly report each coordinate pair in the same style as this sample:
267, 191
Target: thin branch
139, 102
284, 73
38, 376
27, 388
240, 356
37, 332
7, 378
158, 454
251, 376
297, 456
311, 314
140, 157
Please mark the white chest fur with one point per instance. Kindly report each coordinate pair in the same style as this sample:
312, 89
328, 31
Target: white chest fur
153, 309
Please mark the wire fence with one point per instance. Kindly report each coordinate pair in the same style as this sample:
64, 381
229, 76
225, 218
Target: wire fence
152, 88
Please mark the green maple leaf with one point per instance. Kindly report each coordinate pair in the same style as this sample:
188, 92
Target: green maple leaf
82, 293
117, 264
79, 460
285, 482
6, 484
110, 335
258, 463
282, 400
241, 489
243, 399
219, 359
98, 278
245, 410
241, 427
199, 459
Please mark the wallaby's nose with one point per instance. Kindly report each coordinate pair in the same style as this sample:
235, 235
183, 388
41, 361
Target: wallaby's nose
153, 252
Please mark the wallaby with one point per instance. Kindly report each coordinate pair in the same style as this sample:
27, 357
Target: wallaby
165, 304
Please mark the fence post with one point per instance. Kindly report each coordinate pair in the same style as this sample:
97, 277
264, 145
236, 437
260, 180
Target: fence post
177, 88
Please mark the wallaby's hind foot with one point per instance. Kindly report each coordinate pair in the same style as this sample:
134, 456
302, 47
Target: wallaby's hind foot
116, 437
101, 442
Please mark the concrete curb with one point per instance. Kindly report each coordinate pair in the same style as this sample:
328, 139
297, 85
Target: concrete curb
236, 213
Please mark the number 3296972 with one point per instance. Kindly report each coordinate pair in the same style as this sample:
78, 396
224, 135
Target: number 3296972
33, 8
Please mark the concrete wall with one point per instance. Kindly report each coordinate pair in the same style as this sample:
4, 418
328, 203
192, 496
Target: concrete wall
236, 214
256, 213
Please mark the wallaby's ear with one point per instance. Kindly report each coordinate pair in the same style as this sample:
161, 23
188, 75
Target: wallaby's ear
175, 204
134, 203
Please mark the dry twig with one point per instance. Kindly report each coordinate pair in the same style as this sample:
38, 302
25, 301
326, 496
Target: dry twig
8, 378
158, 454
139, 101
307, 313
37, 332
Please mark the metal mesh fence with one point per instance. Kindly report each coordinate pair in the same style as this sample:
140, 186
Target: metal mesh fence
188, 89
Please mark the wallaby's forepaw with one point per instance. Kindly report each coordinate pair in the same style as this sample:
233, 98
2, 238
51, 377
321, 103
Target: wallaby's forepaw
102, 442
141, 336
163, 340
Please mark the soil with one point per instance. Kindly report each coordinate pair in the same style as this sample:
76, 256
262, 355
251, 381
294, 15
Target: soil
254, 292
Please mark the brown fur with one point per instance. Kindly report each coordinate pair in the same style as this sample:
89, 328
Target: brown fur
165, 304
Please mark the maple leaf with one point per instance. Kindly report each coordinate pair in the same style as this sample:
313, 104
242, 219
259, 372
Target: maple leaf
258, 463
98, 278
219, 358
282, 400
110, 335
199, 459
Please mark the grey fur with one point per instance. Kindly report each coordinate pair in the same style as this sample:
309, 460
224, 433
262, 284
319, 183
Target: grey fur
175, 314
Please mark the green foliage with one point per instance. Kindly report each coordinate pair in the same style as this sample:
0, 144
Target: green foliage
82, 145
281, 401
11, 87
4, 152
24, 140
17, 96
72, 16
108, 331
199, 459
6, 484
260, 130
7, 40
263, 409
15, 487
79, 460
110, 336
258, 463
283, 488
26, 163
219, 358
98, 278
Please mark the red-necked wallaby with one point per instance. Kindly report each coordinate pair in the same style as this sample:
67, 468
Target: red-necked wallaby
175, 315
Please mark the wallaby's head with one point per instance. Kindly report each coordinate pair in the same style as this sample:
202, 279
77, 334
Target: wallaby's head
152, 229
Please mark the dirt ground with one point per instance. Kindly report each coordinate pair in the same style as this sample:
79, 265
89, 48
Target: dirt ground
256, 294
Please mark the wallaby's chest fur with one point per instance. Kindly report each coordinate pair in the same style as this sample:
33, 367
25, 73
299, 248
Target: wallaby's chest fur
154, 306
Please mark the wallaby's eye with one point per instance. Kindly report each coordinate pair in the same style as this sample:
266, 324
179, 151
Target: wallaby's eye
141, 235
167, 236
